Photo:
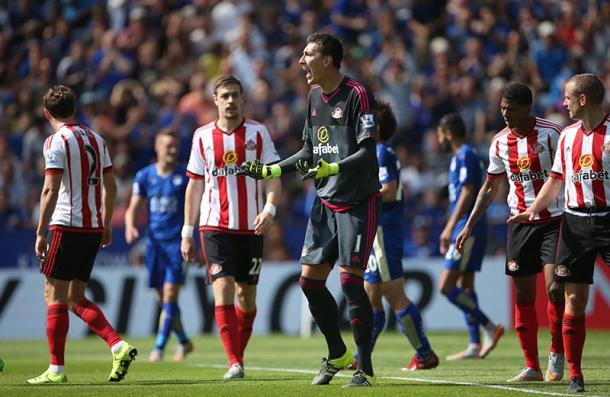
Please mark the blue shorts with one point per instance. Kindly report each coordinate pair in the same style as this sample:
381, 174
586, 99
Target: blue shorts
164, 262
385, 262
474, 250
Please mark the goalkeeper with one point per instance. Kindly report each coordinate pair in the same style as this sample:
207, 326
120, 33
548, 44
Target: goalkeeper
339, 153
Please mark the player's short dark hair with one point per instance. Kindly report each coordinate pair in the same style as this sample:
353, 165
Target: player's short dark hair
328, 45
167, 132
60, 101
386, 121
589, 85
453, 123
226, 79
519, 93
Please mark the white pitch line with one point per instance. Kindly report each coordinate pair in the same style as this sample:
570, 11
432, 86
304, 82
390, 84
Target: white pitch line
404, 378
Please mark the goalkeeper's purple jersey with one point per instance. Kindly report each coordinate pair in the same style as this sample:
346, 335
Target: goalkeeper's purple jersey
334, 126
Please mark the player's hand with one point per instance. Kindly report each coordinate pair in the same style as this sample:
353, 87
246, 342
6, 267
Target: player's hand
106, 237
40, 248
461, 239
131, 234
445, 239
526, 216
302, 166
187, 248
257, 170
322, 170
262, 223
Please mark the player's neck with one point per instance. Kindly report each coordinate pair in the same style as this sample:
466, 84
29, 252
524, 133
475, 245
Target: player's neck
593, 118
330, 84
527, 127
229, 125
165, 168
56, 124
456, 145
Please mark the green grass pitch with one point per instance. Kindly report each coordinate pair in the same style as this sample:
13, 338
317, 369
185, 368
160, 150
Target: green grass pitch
278, 365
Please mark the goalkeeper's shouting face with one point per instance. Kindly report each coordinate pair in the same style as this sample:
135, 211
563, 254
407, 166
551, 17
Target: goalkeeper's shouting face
229, 99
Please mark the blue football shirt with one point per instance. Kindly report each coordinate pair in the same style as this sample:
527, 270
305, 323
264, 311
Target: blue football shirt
165, 200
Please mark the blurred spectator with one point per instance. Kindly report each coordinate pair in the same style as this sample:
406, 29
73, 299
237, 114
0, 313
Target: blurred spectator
139, 65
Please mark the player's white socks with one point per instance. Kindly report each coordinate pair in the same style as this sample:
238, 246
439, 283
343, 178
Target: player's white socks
56, 369
116, 347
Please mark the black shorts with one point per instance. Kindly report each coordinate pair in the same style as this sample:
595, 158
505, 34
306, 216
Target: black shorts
227, 254
530, 246
71, 255
581, 239
347, 236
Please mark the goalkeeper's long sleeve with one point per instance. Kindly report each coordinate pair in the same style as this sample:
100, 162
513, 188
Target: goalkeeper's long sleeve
289, 164
366, 153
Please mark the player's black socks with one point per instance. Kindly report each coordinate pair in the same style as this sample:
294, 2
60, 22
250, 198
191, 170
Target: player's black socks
361, 318
323, 308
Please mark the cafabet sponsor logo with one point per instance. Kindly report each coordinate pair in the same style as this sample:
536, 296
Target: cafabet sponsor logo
586, 172
529, 176
323, 147
229, 159
526, 174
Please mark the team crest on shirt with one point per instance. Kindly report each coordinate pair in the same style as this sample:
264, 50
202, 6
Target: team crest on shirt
606, 147
524, 163
367, 121
215, 268
229, 157
513, 266
537, 148
337, 113
250, 145
177, 180
586, 160
562, 271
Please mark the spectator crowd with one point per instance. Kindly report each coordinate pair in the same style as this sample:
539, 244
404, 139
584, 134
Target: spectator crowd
138, 66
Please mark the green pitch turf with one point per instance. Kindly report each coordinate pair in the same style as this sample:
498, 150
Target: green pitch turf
284, 366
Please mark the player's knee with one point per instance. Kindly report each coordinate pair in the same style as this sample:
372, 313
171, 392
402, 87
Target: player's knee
576, 303
555, 292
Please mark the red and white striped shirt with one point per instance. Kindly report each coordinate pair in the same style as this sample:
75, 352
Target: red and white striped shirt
82, 157
230, 202
583, 163
526, 161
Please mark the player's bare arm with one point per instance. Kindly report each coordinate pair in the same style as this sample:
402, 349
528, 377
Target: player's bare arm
194, 192
109, 199
388, 191
264, 219
484, 198
136, 203
550, 190
464, 202
48, 199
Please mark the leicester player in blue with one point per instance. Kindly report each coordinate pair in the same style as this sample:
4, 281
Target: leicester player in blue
457, 279
161, 187
384, 277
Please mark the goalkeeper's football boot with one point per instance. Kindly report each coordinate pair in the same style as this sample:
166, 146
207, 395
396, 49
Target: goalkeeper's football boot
331, 367
121, 362
48, 377
360, 379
